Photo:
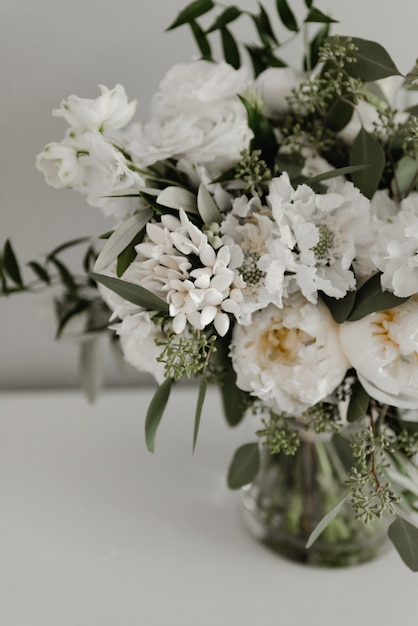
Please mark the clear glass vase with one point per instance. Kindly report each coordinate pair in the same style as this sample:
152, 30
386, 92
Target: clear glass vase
292, 494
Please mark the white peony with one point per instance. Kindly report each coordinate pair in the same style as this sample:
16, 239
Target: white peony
290, 358
383, 348
110, 111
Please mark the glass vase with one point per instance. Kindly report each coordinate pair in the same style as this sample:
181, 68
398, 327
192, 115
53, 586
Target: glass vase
292, 494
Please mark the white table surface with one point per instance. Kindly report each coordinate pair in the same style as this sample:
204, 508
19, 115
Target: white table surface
97, 531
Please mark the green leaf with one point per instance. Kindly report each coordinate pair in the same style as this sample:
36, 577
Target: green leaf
340, 309
66, 313
199, 407
66, 245
264, 138
131, 292
372, 61
121, 238
128, 255
155, 412
404, 537
65, 274
325, 521
359, 403
11, 265
263, 25
286, 15
178, 198
191, 12
339, 171
314, 48
207, 207
406, 174
201, 40
367, 151
370, 298
230, 48
315, 15
244, 466
91, 368
226, 17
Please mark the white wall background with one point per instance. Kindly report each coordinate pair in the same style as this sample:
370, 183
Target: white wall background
53, 48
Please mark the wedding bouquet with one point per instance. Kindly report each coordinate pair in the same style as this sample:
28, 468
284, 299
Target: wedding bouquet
264, 239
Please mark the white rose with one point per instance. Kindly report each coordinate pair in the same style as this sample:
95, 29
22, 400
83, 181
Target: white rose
110, 111
275, 86
290, 358
383, 348
196, 116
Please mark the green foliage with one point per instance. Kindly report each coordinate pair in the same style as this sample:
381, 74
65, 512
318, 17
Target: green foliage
191, 12
370, 61
199, 407
133, 293
323, 417
186, 356
366, 150
244, 466
155, 412
370, 298
278, 437
252, 170
404, 537
359, 403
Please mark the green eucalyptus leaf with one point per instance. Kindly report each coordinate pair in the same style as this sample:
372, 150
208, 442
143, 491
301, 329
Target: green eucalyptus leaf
230, 48
207, 207
244, 466
201, 40
11, 264
344, 450
121, 238
404, 537
315, 15
340, 308
131, 292
372, 62
199, 406
155, 412
367, 151
370, 298
230, 14
325, 521
258, 58
91, 372
192, 11
286, 15
178, 198
359, 403
406, 175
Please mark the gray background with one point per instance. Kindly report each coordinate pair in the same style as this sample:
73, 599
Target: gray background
51, 49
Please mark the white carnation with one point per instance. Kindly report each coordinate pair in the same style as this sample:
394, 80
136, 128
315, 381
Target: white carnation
290, 358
